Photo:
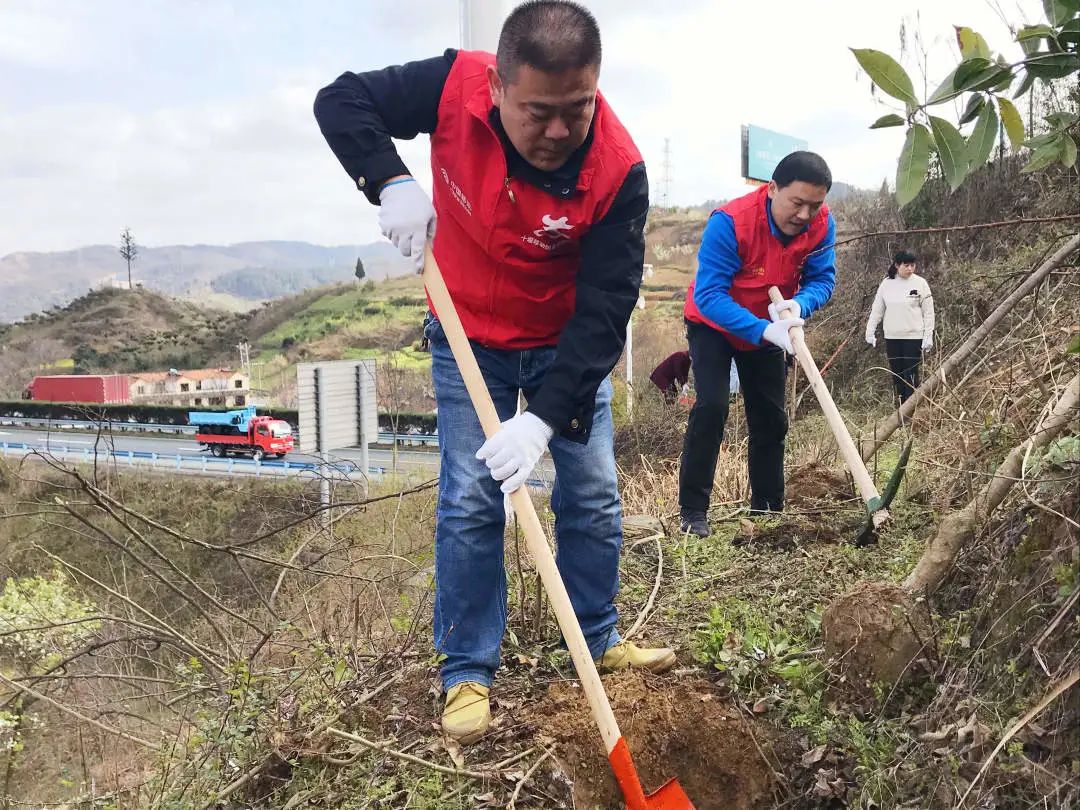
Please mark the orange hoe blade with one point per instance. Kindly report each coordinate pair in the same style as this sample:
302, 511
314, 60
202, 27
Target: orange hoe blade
669, 797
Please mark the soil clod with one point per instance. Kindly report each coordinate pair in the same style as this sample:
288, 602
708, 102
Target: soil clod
674, 728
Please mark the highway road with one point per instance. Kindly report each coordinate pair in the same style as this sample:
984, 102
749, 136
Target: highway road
412, 462
382, 458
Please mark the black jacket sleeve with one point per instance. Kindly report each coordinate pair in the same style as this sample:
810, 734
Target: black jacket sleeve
612, 256
360, 112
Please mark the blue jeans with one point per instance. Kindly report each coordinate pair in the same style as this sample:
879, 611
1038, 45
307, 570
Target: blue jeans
470, 576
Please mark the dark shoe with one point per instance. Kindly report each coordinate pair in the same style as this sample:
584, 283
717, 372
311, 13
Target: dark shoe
695, 523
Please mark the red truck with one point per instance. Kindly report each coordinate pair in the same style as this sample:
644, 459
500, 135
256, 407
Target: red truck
96, 388
242, 431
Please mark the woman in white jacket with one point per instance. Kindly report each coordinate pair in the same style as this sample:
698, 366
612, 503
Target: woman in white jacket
904, 301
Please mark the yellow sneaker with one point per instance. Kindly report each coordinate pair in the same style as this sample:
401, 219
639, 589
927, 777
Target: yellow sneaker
626, 654
467, 713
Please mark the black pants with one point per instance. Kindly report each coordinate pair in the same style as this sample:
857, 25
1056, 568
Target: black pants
761, 380
904, 355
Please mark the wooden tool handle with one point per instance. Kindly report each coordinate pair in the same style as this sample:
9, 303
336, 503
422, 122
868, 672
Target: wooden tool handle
848, 450
535, 539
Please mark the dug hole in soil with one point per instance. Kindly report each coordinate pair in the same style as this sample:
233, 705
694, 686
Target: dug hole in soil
675, 729
821, 507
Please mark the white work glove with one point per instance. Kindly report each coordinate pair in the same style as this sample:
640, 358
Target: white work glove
512, 453
872, 340
778, 333
928, 343
406, 218
789, 306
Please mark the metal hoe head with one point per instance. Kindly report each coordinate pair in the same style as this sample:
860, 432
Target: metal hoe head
868, 533
669, 796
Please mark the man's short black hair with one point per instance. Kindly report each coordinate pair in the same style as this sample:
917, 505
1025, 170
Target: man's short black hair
549, 35
806, 167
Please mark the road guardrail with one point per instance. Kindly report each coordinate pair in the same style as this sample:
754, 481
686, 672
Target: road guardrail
341, 468
209, 465
385, 437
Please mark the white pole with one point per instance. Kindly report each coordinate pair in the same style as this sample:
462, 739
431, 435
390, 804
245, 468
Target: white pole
481, 21
630, 368
324, 489
365, 462
364, 404
630, 350
321, 412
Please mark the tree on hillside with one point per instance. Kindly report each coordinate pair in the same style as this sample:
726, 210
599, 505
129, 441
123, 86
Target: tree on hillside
129, 250
359, 270
1051, 53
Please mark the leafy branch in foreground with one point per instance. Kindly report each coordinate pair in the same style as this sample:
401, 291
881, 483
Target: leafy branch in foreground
1051, 52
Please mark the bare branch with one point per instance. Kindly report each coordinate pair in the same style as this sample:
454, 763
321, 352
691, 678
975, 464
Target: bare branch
107, 729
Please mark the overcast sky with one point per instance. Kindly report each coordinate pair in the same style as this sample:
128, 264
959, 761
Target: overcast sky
190, 121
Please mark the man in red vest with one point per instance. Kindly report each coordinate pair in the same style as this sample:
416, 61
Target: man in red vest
540, 198
782, 234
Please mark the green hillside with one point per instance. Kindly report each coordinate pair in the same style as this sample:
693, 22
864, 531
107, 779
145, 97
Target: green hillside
120, 331
345, 321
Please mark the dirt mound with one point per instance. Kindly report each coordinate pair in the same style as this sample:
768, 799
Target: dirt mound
787, 533
875, 632
673, 729
814, 483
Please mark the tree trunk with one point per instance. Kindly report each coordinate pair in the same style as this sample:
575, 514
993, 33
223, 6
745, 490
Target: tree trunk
885, 428
959, 527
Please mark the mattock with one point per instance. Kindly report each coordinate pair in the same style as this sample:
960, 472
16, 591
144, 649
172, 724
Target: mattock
670, 795
877, 504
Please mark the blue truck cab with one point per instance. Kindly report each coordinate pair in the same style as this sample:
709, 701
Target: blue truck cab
238, 420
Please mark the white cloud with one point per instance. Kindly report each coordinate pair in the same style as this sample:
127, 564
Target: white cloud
244, 160
40, 37
216, 173
782, 65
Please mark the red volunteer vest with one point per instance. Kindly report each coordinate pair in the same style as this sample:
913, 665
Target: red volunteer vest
765, 261
509, 251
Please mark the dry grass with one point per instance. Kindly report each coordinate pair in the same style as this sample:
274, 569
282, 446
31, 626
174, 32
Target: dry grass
297, 626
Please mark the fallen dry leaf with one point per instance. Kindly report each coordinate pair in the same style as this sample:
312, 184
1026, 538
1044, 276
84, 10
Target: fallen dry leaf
813, 756
764, 704
453, 748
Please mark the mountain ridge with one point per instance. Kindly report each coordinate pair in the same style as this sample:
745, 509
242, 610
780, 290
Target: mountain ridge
247, 272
